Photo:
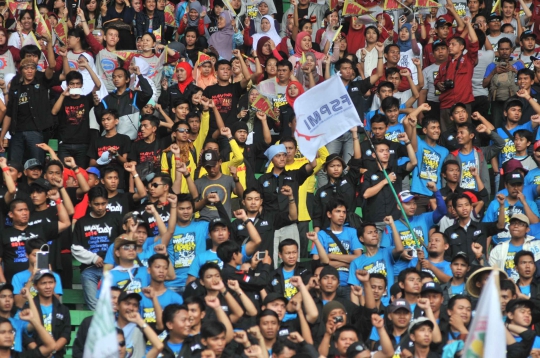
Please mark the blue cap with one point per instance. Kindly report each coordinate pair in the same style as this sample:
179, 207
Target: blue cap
95, 171
273, 150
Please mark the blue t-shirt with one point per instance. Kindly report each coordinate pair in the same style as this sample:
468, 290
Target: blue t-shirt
458, 289
46, 314
509, 150
350, 242
371, 114
135, 282
393, 131
509, 265
492, 214
526, 290
491, 67
536, 343
382, 262
20, 327
175, 347
443, 266
467, 179
211, 256
421, 225
290, 291
532, 179
21, 279
429, 166
183, 247
146, 308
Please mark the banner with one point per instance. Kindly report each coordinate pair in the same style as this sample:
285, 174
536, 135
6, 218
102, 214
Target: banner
487, 336
332, 4
426, 4
16, 6
101, 341
268, 88
31, 40
497, 8
169, 15
323, 113
262, 103
391, 5
352, 8
43, 28
202, 57
91, 24
157, 34
125, 55
61, 31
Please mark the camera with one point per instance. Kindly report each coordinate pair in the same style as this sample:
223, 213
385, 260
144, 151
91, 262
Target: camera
503, 64
338, 319
448, 84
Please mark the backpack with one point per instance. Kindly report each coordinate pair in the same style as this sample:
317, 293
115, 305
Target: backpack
503, 85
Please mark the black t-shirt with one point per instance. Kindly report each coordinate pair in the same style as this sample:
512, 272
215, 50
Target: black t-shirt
121, 203
142, 152
122, 144
25, 121
163, 211
12, 245
97, 234
226, 99
73, 119
50, 215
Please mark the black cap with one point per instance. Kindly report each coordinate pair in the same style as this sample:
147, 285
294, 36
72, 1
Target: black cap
273, 296
125, 295
461, 255
431, 287
441, 21
494, 16
438, 43
513, 304
15, 165
398, 304
209, 158
514, 178
215, 222
329, 270
42, 183
512, 102
355, 348
333, 157
42, 273
32, 163
527, 33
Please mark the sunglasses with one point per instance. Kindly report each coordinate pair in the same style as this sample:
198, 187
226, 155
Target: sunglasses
156, 185
122, 343
182, 130
128, 247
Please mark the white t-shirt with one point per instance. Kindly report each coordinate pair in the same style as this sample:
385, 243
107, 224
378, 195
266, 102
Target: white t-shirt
484, 59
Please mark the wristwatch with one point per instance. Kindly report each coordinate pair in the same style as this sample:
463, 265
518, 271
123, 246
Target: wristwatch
143, 326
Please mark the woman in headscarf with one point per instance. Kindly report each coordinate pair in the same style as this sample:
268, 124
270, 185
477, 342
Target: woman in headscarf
303, 46
180, 90
195, 17
226, 39
267, 30
286, 112
265, 7
409, 49
205, 74
9, 55
327, 34
308, 75
266, 50
386, 28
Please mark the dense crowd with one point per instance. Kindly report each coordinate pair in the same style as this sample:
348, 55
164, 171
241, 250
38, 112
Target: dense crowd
157, 141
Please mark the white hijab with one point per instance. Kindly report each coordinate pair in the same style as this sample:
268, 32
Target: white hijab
272, 33
145, 69
88, 83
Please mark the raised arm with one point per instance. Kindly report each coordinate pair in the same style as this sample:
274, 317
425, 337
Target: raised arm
245, 70
322, 256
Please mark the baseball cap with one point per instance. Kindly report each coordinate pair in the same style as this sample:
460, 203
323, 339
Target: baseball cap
209, 158
441, 21
420, 321
398, 304
355, 348
32, 163
125, 295
406, 196
527, 33
514, 178
513, 304
512, 165
438, 43
42, 183
95, 171
512, 102
215, 222
474, 198
494, 16
461, 255
16, 165
521, 217
431, 287
333, 157
42, 273
536, 145
271, 297
105, 158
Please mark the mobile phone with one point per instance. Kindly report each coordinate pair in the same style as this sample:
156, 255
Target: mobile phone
403, 18
410, 252
338, 319
213, 192
261, 255
42, 260
75, 91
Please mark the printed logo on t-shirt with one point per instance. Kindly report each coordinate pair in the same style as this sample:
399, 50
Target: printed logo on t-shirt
23, 98
47, 322
75, 114
467, 179
334, 249
429, 165
509, 150
149, 315
378, 266
290, 290
408, 240
183, 249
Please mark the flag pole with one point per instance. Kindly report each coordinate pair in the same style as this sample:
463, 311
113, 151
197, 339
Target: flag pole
394, 192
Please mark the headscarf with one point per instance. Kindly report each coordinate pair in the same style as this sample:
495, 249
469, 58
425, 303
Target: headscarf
4, 47
202, 81
197, 7
274, 150
271, 10
271, 33
189, 71
356, 39
316, 75
298, 46
145, 70
290, 100
260, 44
405, 46
222, 40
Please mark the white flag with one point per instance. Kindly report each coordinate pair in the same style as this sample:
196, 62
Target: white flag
487, 336
101, 341
323, 113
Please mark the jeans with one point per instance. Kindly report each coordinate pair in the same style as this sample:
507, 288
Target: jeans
25, 143
77, 151
90, 279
